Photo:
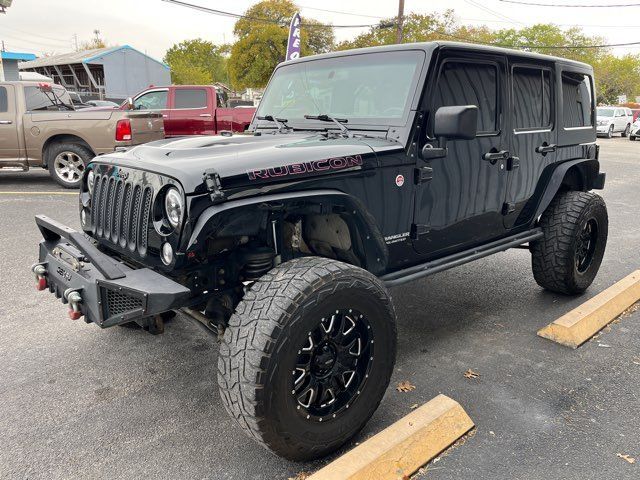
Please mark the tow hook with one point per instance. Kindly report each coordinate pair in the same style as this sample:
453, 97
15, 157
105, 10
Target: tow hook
41, 279
75, 299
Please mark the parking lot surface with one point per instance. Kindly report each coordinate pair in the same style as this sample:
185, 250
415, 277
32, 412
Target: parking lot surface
80, 402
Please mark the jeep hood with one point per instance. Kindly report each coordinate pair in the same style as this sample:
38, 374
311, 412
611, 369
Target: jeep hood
250, 161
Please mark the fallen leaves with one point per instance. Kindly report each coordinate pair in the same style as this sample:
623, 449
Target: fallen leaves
405, 386
300, 476
471, 374
626, 458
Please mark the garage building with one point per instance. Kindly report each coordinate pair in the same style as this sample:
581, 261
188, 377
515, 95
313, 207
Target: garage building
112, 73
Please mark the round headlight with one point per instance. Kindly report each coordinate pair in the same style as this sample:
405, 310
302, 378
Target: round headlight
167, 253
91, 179
173, 206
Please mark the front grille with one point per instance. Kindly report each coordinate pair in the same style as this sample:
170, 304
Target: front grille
121, 212
118, 303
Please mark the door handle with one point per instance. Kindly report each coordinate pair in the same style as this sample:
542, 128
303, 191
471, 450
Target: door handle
207, 115
5, 122
495, 157
546, 148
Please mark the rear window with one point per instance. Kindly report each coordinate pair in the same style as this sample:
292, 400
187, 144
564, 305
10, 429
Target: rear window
577, 100
4, 104
36, 99
190, 98
531, 98
470, 84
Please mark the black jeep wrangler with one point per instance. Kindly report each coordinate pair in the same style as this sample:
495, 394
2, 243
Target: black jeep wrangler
365, 169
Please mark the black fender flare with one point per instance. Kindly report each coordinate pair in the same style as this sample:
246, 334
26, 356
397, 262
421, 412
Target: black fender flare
370, 240
585, 170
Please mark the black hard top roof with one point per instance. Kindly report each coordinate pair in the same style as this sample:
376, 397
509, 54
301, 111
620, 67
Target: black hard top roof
431, 46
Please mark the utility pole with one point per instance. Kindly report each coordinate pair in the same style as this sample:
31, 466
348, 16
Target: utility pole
400, 21
75, 40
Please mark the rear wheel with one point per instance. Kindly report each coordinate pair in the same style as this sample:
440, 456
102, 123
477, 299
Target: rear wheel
610, 131
307, 356
632, 138
567, 258
626, 130
66, 163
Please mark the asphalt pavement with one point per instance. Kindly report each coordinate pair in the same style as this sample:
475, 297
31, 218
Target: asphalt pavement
80, 402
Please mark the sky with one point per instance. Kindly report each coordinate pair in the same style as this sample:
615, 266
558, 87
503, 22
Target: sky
153, 26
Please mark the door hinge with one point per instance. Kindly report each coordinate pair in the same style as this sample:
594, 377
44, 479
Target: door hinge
513, 163
423, 174
417, 230
508, 207
214, 186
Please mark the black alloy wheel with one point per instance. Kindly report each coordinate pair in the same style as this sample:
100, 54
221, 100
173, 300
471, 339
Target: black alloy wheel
333, 365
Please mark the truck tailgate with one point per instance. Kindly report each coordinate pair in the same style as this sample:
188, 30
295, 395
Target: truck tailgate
145, 127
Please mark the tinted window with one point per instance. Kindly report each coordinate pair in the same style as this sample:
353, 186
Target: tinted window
3, 99
576, 99
190, 98
531, 98
470, 84
36, 99
151, 101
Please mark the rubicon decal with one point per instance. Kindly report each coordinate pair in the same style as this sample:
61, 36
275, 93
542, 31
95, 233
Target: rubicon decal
328, 164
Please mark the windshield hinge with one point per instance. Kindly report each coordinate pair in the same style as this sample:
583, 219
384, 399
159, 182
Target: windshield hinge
214, 186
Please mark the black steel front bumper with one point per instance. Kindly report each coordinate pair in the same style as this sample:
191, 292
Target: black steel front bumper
104, 290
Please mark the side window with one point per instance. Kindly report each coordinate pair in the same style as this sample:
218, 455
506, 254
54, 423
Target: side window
531, 98
190, 98
156, 100
4, 101
470, 84
577, 100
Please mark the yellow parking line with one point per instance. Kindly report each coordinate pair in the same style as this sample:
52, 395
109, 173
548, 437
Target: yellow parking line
38, 193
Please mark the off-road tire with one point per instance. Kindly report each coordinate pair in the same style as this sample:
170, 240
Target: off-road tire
264, 336
625, 132
553, 257
610, 132
58, 148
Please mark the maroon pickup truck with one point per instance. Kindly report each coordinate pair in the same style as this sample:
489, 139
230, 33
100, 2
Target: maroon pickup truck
191, 110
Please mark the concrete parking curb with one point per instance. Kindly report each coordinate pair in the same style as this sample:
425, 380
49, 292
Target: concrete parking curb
581, 323
400, 449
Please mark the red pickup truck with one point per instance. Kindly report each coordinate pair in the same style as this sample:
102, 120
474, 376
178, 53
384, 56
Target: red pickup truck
193, 110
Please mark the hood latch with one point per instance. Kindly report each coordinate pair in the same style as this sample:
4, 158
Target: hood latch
214, 186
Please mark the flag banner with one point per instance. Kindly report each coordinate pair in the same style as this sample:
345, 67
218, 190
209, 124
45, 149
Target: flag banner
293, 45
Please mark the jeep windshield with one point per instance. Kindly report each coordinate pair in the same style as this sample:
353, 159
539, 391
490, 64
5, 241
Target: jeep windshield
365, 89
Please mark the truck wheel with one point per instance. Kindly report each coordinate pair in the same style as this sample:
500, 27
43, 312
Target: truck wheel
632, 138
567, 258
626, 130
610, 132
307, 356
66, 162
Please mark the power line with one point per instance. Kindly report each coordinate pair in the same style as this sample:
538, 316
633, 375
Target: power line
492, 12
341, 13
265, 20
571, 5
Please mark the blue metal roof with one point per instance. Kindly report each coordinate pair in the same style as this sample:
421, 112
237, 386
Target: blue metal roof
18, 56
118, 48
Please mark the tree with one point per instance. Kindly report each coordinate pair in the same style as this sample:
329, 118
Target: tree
95, 42
197, 62
617, 76
262, 41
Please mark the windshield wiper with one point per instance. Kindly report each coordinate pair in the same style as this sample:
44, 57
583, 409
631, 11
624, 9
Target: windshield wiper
326, 118
281, 123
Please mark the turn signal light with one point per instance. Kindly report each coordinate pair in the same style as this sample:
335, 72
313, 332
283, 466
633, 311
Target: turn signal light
123, 130
41, 284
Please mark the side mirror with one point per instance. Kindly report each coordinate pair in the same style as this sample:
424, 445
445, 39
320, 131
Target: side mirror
129, 103
456, 123
452, 123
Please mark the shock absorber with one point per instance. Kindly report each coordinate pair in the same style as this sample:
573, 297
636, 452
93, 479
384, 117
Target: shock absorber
258, 261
